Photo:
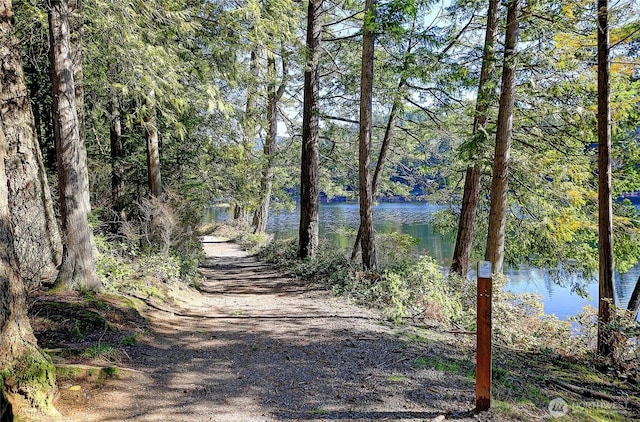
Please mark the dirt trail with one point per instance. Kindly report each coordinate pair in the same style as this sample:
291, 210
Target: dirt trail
260, 346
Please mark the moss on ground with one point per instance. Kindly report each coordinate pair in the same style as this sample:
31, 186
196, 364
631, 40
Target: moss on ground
97, 375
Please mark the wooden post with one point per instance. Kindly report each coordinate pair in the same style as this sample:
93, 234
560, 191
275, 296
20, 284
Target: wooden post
483, 349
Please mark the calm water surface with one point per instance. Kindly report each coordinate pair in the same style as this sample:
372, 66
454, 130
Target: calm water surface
415, 219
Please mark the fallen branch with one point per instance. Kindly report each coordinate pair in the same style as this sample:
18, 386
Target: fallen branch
93, 368
586, 392
468, 333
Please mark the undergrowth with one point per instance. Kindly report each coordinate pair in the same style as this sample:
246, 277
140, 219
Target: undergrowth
532, 349
414, 288
158, 246
240, 233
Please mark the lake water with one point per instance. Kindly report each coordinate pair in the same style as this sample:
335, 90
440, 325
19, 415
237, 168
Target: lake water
415, 219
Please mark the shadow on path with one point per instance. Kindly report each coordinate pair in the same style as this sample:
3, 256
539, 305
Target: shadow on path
258, 346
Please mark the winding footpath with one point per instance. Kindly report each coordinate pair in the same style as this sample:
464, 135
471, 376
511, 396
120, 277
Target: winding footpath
257, 345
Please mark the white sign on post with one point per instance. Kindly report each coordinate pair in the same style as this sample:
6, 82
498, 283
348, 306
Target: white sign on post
484, 269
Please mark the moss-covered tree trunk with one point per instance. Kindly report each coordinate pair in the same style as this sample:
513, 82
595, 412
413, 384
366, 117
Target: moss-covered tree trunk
26, 375
78, 267
38, 243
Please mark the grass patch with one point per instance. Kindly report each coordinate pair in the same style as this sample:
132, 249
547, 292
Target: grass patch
590, 414
320, 411
131, 340
110, 371
84, 373
67, 372
439, 364
99, 350
450, 365
506, 409
68, 319
525, 383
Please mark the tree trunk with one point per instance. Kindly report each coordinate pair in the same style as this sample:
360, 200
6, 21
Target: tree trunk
19, 353
606, 291
36, 235
250, 132
78, 267
634, 301
382, 157
367, 242
500, 180
240, 213
25, 370
467, 222
42, 120
471, 194
117, 156
274, 95
309, 192
153, 149
250, 119
76, 28
384, 148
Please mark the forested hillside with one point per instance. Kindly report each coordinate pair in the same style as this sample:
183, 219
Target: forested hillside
123, 121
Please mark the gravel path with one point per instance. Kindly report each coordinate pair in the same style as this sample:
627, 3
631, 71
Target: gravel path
260, 346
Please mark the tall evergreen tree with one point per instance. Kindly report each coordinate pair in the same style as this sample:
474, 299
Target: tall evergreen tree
153, 145
500, 176
117, 158
367, 240
606, 289
33, 373
78, 267
274, 95
36, 233
471, 194
309, 191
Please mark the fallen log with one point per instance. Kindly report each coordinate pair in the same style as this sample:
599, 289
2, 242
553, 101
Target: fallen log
586, 392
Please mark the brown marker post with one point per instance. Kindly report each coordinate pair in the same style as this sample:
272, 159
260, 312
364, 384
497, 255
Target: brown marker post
483, 349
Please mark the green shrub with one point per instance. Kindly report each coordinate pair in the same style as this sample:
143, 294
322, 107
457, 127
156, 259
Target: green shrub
627, 334
410, 287
420, 290
112, 269
403, 289
252, 242
122, 264
329, 267
396, 250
